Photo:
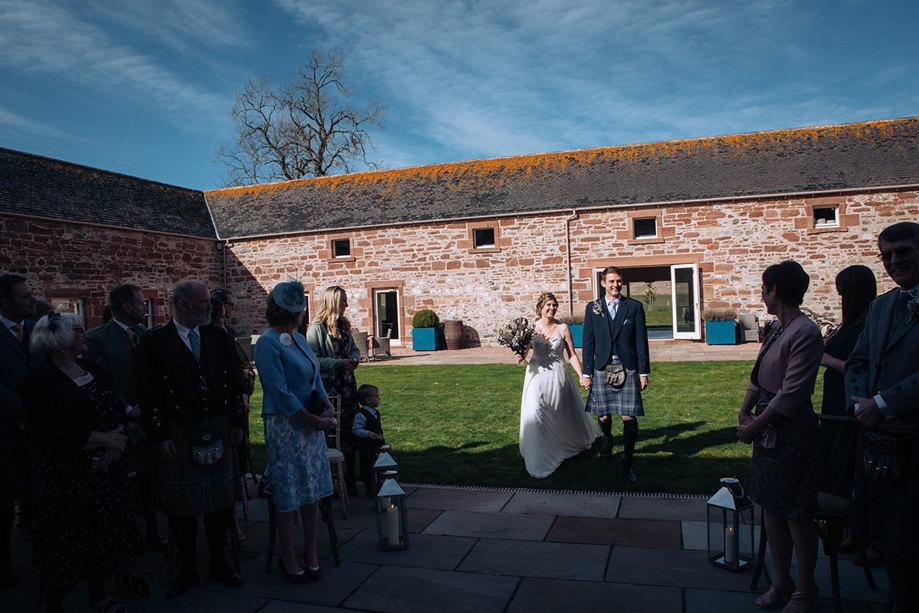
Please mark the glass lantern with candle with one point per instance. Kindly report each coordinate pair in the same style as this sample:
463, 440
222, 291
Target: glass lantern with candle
730, 526
392, 517
384, 464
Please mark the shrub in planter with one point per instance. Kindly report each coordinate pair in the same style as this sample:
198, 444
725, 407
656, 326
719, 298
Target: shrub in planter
720, 326
425, 318
427, 332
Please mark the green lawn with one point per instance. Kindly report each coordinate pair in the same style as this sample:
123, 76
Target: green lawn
459, 425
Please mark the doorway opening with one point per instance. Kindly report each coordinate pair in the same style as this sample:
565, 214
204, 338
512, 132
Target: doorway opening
670, 295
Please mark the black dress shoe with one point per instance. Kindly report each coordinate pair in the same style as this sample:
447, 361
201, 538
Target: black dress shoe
226, 577
629, 477
181, 584
300, 577
313, 573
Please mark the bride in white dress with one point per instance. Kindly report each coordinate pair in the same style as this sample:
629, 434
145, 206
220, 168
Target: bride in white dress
553, 423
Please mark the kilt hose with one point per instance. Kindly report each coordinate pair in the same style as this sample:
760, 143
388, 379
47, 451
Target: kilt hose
604, 399
186, 488
15, 471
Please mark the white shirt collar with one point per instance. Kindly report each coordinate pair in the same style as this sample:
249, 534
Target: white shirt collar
124, 327
183, 331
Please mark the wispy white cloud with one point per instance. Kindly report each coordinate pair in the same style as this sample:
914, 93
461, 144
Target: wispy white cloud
483, 78
11, 122
48, 38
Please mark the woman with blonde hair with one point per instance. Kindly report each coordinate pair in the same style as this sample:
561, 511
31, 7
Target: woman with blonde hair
329, 336
553, 423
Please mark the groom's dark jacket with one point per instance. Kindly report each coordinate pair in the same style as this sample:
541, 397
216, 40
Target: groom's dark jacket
626, 336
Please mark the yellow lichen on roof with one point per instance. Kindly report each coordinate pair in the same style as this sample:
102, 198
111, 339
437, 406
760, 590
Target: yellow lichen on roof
462, 175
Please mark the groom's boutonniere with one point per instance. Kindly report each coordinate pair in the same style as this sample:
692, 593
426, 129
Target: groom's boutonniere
597, 308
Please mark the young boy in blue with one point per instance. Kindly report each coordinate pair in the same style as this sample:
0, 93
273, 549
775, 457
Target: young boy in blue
368, 432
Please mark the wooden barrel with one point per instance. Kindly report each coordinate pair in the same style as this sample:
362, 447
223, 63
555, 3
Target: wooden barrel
453, 334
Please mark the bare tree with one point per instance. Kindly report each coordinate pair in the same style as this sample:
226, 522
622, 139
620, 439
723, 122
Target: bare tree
303, 128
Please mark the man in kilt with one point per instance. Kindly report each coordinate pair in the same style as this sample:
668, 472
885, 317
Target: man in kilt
616, 364
16, 361
882, 380
191, 401
114, 346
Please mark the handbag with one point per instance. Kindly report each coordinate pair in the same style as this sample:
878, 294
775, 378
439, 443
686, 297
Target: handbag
207, 443
314, 404
881, 458
615, 372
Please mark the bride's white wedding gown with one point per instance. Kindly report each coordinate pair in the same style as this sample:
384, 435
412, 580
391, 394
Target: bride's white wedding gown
553, 423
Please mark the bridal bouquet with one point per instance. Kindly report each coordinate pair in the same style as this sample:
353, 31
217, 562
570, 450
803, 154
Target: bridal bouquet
516, 336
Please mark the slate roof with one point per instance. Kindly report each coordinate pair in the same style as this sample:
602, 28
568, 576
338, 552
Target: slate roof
826, 158
43, 187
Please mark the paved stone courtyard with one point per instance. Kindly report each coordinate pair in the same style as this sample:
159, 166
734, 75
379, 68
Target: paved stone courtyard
484, 550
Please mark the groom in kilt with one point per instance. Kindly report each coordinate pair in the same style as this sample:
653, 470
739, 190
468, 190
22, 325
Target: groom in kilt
191, 400
616, 364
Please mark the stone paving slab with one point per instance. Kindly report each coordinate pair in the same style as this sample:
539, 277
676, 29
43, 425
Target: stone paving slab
337, 583
491, 525
280, 606
587, 597
672, 567
575, 505
649, 507
194, 600
459, 500
631, 532
425, 551
411, 590
531, 559
364, 518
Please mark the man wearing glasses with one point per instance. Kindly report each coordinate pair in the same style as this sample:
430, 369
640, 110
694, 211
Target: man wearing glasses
882, 380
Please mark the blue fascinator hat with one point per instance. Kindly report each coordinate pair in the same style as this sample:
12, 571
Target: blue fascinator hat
289, 296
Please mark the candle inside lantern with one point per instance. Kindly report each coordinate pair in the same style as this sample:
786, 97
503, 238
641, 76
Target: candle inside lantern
392, 522
730, 546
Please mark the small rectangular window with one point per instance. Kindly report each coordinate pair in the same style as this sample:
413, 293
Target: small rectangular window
826, 217
645, 228
484, 237
341, 248
64, 304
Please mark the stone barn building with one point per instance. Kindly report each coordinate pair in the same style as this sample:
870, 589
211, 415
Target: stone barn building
692, 221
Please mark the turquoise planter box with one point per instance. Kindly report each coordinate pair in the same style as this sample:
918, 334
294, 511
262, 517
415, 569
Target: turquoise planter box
721, 332
577, 334
428, 339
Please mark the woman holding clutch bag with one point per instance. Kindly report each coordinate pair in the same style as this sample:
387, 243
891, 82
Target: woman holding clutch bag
784, 433
295, 410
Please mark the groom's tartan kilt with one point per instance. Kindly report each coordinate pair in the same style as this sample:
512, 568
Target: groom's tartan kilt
186, 488
604, 399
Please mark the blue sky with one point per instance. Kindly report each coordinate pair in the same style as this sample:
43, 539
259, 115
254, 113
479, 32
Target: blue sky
144, 87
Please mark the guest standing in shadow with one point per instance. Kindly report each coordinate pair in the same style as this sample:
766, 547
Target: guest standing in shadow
330, 339
75, 422
296, 412
784, 433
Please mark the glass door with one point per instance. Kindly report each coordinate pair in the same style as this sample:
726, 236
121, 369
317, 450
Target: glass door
386, 314
684, 283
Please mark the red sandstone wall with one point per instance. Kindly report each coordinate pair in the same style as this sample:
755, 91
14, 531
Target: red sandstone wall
62, 259
433, 265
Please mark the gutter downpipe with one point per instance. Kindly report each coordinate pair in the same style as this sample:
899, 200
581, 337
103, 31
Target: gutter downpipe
568, 220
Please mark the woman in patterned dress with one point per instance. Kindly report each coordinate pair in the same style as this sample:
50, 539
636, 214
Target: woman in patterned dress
295, 410
330, 338
784, 432
74, 420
